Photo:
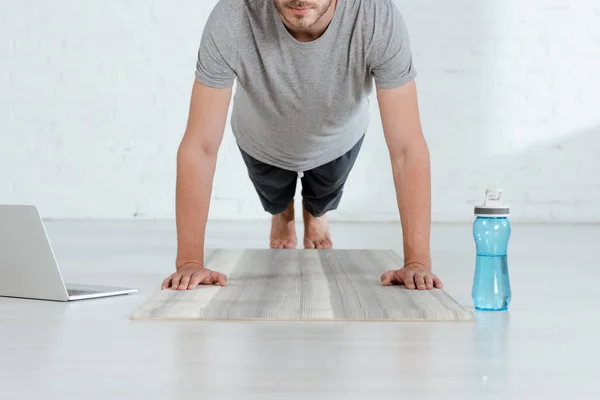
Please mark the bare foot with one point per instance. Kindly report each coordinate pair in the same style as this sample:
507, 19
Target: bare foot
316, 232
283, 232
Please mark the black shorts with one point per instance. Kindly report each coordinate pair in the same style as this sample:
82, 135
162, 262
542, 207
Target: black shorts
322, 187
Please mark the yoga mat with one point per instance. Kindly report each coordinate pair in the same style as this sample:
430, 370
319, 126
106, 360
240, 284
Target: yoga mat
303, 285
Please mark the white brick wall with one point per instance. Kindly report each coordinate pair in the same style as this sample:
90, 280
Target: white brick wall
94, 99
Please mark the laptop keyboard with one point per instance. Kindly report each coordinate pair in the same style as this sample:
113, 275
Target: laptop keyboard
78, 292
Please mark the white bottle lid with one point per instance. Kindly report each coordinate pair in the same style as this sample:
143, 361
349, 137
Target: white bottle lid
492, 207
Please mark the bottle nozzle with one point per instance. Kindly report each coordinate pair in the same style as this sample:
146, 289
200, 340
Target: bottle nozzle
492, 205
493, 196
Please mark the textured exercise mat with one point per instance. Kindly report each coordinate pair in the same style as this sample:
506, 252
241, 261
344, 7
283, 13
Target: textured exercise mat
303, 285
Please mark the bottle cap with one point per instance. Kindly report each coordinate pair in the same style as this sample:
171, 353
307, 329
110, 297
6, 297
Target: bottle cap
492, 207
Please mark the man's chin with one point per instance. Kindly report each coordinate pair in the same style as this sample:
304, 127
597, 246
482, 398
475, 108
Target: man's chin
301, 23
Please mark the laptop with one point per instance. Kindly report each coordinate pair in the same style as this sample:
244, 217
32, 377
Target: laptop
28, 267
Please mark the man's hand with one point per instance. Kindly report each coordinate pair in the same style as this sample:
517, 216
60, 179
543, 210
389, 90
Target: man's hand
189, 277
414, 276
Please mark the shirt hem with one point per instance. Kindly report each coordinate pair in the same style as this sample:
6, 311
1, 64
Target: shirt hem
213, 83
396, 83
299, 168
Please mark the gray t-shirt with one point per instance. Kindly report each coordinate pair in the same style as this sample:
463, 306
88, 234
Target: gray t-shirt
298, 105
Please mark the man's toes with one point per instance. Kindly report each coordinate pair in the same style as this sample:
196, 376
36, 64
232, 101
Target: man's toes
289, 245
323, 244
309, 244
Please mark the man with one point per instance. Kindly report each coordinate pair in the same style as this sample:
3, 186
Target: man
304, 70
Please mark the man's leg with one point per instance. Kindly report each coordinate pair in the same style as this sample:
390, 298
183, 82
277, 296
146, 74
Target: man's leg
322, 190
276, 188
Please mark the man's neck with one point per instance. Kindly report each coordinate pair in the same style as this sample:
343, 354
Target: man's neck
315, 31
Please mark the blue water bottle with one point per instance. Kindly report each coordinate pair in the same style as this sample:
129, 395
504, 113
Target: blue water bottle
491, 231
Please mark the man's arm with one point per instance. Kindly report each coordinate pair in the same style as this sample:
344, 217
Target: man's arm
410, 161
196, 163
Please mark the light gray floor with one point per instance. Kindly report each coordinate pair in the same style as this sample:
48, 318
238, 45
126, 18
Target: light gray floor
545, 347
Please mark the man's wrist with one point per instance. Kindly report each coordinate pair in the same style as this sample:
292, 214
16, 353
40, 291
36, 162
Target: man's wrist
182, 264
413, 263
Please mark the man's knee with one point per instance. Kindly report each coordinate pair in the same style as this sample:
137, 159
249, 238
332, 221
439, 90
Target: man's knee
318, 207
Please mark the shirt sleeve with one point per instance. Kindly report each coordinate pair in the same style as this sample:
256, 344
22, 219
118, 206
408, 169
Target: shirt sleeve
391, 58
217, 54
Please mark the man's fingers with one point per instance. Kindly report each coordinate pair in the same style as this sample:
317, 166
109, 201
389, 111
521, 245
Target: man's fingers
216, 277
385, 281
175, 282
420, 281
190, 282
185, 281
210, 278
165, 283
395, 277
188, 278
195, 281
429, 282
387, 278
408, 278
